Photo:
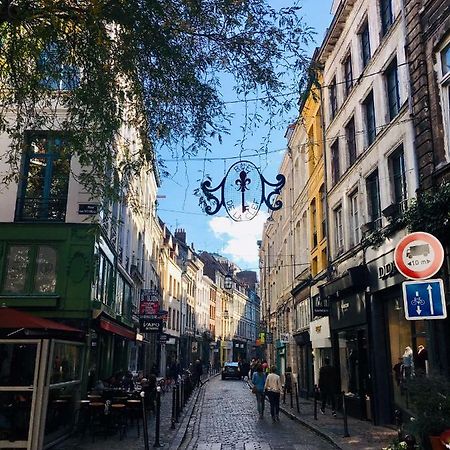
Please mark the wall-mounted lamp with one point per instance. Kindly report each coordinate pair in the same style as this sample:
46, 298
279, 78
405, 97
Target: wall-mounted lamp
228, 282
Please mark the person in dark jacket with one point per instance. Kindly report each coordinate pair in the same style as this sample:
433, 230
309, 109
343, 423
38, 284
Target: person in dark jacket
328, 385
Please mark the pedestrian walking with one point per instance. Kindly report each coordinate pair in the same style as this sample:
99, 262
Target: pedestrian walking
328, 386
198, 372
272, 388
259, 381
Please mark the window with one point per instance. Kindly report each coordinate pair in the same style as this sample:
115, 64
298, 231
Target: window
44, 179
364, 38
103, 287
369, 115
351, 141
373, 198
348, 74
398, 176
335, 170
386, 16
393, 93
354, 219
445, 91
333, 98
55, 70
30, 269
339, 230
324, 209
314, 223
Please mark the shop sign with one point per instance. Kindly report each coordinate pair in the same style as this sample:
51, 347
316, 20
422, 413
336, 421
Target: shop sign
424, 299
284, 338
149, 303
419, 255
321, 306
163, 338
194, 347
386, 271
269, 338
150, 325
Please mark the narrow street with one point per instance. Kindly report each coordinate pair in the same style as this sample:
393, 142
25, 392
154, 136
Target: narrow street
226, 419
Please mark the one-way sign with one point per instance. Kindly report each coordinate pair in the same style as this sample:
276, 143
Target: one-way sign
424, 300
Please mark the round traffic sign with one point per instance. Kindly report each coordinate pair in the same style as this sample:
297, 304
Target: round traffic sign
419, 255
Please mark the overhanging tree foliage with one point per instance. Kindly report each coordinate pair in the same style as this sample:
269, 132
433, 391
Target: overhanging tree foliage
89, 58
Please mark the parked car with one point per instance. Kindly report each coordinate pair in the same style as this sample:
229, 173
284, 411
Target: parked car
231, 370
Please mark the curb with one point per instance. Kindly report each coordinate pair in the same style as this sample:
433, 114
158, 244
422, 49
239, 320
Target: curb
180, 435
310, 427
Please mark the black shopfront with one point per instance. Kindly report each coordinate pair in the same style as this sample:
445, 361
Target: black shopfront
305, 364
350, 338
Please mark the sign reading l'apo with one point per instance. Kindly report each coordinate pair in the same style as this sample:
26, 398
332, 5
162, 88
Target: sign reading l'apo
424, 299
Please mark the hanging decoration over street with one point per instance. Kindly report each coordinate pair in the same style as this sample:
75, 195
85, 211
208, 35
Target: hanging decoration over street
242, 192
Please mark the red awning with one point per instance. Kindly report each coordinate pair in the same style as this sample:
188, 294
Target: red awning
12, 318
117, 329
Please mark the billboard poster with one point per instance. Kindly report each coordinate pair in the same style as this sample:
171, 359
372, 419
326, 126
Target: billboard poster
149, 303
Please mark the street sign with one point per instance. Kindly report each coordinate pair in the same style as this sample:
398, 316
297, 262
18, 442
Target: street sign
150, 325
424, 299
269, 338
163, 338
419, 255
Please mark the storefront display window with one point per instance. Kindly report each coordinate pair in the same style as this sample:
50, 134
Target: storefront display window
409, 356
15, 413
17, 362
66, 363
61, 411
353, 361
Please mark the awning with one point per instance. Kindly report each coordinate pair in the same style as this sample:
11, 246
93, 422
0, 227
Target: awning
14, 319
112, 327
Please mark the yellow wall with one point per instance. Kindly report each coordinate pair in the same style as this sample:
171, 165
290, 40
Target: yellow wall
311, 114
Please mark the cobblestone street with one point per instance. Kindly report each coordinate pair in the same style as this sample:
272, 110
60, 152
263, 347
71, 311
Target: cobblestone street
226, 419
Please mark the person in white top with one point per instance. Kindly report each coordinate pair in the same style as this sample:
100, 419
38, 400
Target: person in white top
272, 387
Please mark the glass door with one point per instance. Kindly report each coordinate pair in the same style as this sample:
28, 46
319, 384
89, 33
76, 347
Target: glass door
19, 363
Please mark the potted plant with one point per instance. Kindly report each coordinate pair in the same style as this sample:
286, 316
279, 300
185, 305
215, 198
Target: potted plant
430, 405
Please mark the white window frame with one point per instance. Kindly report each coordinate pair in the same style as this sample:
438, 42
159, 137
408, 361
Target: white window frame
339, 230
444, 87
355, 229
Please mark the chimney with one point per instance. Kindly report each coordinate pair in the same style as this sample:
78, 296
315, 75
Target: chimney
180, 234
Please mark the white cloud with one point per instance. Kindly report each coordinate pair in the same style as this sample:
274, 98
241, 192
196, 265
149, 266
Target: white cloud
239, 238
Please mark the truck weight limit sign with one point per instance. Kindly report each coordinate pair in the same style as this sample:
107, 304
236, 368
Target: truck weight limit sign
419, 255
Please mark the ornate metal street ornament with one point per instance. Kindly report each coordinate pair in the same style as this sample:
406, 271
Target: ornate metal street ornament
242, 192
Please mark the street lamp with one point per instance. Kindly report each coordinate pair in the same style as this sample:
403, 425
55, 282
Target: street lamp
228, 281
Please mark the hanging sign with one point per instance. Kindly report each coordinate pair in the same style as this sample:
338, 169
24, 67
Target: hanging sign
419, 255
241, 192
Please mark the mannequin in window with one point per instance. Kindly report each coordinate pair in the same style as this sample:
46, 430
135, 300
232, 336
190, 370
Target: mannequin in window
408, 363
421, 362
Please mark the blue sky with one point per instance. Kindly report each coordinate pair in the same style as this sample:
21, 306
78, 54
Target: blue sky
178, 207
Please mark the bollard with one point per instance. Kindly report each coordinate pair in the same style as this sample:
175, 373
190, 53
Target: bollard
344, 412
174, 399
158, 417
181, 395
284, 394
292, 398
398, 423
296, 397
315, 402
144, 419
177, 402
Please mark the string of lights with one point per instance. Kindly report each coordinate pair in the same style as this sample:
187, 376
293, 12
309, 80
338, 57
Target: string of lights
308, 144
291, 93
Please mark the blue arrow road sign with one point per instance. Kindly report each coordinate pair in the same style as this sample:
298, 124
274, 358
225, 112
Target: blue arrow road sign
424, 299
